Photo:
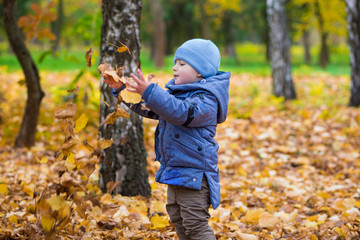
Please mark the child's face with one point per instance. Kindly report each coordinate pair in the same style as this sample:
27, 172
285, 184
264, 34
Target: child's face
184, 73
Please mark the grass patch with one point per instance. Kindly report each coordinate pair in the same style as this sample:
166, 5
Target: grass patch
251, 59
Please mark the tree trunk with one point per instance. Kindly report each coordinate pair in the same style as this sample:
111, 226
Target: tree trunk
307, 46
57, 25
324, 50
279, 50
125, 161
229, 35
353, 19
205, 25
26, 135
159, 35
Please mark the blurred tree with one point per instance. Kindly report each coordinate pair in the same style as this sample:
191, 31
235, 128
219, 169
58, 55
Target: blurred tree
300, 24
353, 19
26, 135
125, 161
159, 43
280, 49
224, 13
327, 16
58, 24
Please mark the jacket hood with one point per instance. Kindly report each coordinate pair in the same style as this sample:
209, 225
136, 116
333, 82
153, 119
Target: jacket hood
218, 85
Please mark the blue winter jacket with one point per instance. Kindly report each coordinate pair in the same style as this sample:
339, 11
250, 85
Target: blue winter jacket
184, 137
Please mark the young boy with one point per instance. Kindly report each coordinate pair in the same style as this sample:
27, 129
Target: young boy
188, 112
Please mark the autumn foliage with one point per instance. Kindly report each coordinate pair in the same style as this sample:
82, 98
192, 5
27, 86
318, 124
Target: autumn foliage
34, 25
288, 170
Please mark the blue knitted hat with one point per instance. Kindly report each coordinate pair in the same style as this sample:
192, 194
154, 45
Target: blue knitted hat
203, 55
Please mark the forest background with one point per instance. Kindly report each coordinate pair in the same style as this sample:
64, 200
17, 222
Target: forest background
289, 168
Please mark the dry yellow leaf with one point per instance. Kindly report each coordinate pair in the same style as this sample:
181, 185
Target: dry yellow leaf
4, 189
245, 236
80, 123
13, 219
29, 189
159, 222
253, 216
111, 118
121, 112
56, 202
313, 237
42, 160
130, 97
47, 223
68, 112
105, 143
268, 221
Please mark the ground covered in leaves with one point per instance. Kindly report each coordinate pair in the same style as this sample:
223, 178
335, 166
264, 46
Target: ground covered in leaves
288, 170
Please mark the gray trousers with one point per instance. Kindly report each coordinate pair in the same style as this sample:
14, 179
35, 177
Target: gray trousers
189, 211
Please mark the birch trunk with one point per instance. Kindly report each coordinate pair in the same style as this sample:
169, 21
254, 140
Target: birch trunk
353, 19
279, 50
125, 162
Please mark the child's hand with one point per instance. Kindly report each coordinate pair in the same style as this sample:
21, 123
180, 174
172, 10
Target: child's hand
140, 83
111, 82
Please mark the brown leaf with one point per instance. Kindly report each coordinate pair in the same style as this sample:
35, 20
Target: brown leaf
88, 56
68, 112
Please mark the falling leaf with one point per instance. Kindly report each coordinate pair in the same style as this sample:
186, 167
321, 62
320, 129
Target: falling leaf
111, 118
80, 123
105, 102
121, 49
68, 112
74, 91
112, 73
120, 112
88, 56
105, 143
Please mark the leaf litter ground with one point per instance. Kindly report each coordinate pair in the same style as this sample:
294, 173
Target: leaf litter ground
288, 170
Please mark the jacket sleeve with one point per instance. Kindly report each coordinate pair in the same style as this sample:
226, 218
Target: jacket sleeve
195, 111
138, 107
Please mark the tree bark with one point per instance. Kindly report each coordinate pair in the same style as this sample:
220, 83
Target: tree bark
229, 35
159, 35
307, 46
57, 25
205, 25
125, 161
353, 25
280, 50
26, 135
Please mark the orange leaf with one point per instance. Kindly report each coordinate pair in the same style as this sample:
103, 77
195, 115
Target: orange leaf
36, 8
